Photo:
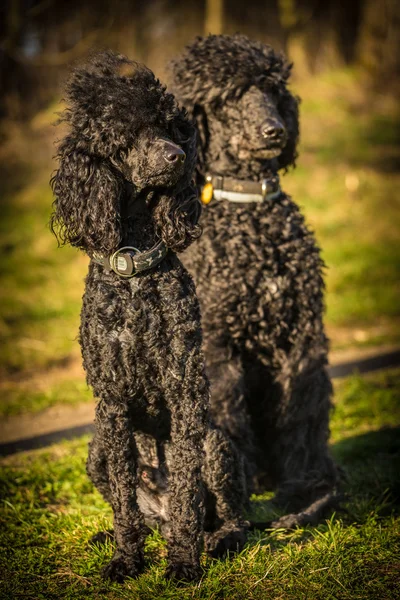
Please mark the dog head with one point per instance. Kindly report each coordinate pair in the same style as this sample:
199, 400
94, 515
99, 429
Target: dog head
236, 90
125, 131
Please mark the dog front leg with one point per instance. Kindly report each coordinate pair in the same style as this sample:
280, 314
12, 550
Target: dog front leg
114, 428
188, 402
96, 467
308, 475
228, 401
225, 480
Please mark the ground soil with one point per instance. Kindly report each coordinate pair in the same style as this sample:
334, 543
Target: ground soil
64, 416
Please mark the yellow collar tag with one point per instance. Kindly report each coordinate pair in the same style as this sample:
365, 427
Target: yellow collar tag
207, 193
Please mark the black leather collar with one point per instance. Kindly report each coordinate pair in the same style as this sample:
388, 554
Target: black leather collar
129, 261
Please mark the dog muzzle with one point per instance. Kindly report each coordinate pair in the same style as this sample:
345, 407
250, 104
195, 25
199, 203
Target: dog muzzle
238, 190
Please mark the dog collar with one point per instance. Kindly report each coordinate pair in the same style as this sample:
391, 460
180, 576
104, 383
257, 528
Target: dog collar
239, 190
129, 261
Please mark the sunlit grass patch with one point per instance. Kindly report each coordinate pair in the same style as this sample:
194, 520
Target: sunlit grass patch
347, 182
51, 510
366, 403
42, 285
19, 398
51, 529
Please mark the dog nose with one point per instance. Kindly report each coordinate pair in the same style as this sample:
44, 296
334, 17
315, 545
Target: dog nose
173, 154
273, 131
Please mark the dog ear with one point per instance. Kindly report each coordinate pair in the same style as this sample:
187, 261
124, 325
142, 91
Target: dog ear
203, 140
289, 109
183, 132
86, 209
176, 218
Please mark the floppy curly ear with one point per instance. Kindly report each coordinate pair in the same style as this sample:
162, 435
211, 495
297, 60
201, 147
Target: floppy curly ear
183, 132
86, 209
289, 109
176, 219
203, 139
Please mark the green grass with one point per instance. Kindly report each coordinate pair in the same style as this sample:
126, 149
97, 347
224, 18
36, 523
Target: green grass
365, 403
41, 285
50, 510
21, 398
346, 182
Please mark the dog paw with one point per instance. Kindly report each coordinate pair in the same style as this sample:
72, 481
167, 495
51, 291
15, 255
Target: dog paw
225, 541
118, 569
183, 572
100, 538
290, 521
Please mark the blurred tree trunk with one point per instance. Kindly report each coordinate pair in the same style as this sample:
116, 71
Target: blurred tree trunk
259, 19
214, 17
14, 78
379, 40
320, 34
40, 38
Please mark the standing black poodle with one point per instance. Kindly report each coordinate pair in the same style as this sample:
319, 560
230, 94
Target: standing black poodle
124, 196
258, 271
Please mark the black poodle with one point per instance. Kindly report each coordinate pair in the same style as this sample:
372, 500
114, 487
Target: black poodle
258, 272
124, 195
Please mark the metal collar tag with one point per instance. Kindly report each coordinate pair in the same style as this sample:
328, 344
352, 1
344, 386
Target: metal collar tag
121, 262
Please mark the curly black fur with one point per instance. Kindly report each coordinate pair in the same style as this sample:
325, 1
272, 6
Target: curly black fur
141, 338
258, 272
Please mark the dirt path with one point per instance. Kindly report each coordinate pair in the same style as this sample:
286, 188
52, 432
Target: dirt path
30, 431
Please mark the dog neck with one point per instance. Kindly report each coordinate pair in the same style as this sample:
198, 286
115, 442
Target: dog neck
244, 166
134, 204
136, 219
140, 249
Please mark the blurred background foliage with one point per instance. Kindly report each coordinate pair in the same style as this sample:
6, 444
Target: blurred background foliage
40, 38
346, 58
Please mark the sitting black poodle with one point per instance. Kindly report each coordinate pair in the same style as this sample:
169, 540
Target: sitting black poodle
258, 272
124, 196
